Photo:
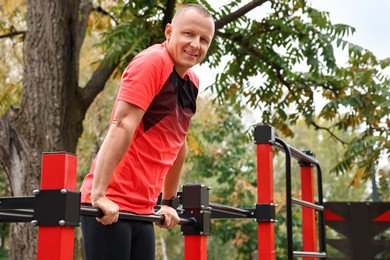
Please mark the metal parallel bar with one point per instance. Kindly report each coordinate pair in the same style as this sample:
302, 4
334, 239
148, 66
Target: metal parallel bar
307, 204
17, 202
95, 212
309, 254
14, 217
297, 154
18, 211
321, 215
282, 145
26, 215
286, 148
231, 211
215, 215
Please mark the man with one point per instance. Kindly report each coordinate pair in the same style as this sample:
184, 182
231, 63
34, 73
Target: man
145, 148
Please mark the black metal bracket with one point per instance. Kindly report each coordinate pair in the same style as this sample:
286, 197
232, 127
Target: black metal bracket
264, 134
195, 199
302, 163
57, 207
46, 208
265, 212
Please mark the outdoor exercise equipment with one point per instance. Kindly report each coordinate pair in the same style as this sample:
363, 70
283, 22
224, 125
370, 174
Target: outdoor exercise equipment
55, 208
362, 226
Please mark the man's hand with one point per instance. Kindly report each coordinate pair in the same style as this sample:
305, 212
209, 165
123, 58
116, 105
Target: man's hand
109, 208
170, 215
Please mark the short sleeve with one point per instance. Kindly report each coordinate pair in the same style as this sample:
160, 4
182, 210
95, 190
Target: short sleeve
141, 80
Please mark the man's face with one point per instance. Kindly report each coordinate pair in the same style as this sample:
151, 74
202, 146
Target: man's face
188, 39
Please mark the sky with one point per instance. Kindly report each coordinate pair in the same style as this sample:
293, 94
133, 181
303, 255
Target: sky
370, 18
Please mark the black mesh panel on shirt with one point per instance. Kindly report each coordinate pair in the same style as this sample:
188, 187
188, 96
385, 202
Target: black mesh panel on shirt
176, 91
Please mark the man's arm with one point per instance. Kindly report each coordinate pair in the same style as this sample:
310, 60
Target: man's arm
170, 187
120, 134
172, 179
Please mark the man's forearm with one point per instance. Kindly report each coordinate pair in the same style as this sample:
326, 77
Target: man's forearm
111, 152
172, 179
126, 120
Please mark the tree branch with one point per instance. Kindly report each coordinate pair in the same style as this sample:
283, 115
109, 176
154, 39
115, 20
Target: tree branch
316, 126
96, 83
12, 34
101, 10
168, 13
279, 76
240, 12
85, 10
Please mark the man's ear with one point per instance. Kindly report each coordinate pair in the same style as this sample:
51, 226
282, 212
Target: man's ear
168, 31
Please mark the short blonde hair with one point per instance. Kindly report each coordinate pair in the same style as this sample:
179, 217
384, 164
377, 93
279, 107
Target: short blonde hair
199, 8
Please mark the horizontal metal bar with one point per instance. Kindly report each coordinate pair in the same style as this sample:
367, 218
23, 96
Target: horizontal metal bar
309, 254
17, 202
18, 211
231, 211
307, 204
15, 217
297, 154
95, 212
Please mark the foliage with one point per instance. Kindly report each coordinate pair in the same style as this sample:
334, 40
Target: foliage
96, 122
277, 66
138, 25
220, 155
4, 227
11, 57
282, 62
211, 162
218, 146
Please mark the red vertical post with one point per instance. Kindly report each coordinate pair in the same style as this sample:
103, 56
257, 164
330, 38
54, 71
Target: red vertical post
264, 137
309, 230
195, 247
265, 195
58, 172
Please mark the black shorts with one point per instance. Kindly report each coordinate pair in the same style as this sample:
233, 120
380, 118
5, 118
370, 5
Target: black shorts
124, 240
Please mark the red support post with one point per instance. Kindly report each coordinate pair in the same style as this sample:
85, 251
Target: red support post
265, 195
58, 172
309, 230
195, 247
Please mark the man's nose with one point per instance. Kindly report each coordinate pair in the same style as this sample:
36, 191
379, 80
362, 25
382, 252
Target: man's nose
195, 42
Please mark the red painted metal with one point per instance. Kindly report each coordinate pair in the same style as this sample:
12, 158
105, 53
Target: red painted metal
385, 217
330, 216
309, 227
195, 247
58, 172
265, 195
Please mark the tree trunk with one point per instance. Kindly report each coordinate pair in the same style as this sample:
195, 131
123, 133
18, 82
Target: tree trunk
49, 118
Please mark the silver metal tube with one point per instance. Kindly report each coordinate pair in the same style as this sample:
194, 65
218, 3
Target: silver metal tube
307, 204
297, 154
309, 254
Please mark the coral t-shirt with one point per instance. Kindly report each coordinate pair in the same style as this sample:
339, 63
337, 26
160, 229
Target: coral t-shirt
169, 101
